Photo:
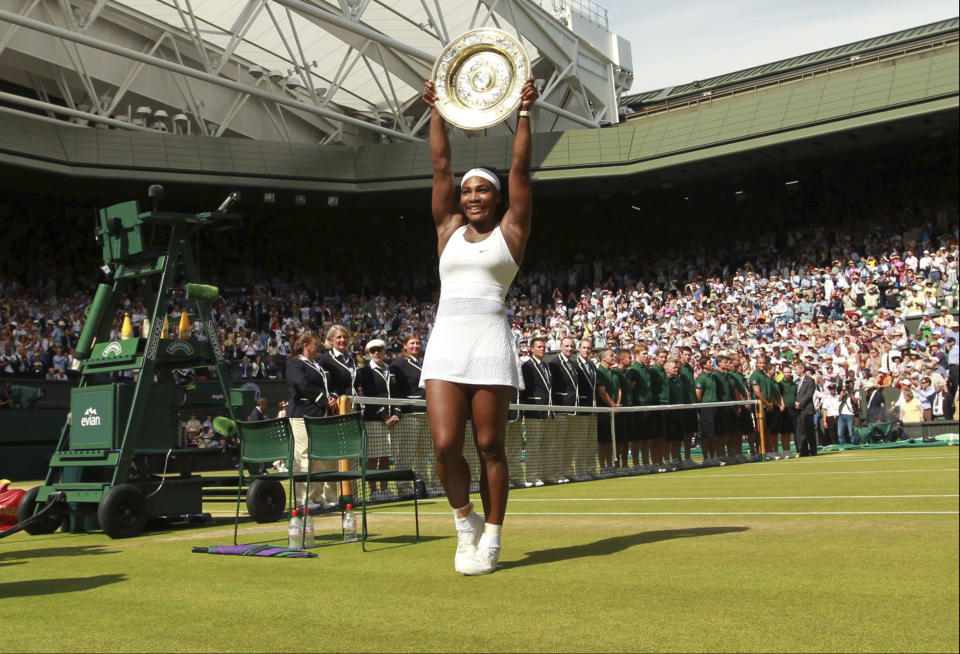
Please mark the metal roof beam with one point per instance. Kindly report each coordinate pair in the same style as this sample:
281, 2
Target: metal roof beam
67, 111
131, 76
196, 74
240, 27
361, 30
13, 28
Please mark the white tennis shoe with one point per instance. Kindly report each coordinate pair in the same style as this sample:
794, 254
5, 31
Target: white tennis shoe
483, 562
467, 540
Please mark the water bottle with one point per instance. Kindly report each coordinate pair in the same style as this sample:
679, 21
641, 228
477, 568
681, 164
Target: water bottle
309, 538
294, 530
349, 525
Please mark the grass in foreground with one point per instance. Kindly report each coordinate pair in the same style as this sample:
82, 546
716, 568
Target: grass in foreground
847, 552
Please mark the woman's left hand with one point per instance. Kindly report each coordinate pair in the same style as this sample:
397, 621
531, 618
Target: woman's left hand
429, 93
528, 95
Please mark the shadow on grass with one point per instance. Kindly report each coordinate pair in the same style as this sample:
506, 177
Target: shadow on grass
79, 550
615, 544
57, 586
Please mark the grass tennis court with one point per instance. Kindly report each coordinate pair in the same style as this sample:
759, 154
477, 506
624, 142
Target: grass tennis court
853, 551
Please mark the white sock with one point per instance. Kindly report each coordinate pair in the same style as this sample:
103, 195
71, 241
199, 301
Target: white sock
490, 537
463, 523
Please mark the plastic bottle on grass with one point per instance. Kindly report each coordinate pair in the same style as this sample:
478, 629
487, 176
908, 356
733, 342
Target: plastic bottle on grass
294, 530
309, 534
349, 525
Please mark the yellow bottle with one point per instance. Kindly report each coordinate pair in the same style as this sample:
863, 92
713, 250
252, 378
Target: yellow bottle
126, 331
165, 330
184, 325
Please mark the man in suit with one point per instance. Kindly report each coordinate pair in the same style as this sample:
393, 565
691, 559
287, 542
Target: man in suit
309, 396
941, 402
377, 380
564, 392
876, 404
258, 410
586, 429
537, 390
805, 439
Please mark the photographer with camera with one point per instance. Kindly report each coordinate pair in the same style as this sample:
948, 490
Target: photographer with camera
849, 401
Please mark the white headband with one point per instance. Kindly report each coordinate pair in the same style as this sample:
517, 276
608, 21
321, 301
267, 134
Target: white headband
481, 172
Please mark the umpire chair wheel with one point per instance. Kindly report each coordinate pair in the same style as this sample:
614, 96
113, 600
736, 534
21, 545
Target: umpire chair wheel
122, 512
266, 500
50, 521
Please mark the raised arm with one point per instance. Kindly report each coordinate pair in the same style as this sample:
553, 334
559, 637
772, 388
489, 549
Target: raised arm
444, 203
515, 224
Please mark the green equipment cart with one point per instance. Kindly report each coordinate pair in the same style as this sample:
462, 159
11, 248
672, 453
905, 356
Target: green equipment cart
117, 463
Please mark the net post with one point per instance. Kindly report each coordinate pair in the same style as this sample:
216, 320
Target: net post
762, 430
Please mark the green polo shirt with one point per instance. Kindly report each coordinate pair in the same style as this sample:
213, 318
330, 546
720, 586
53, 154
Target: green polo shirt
640, 374
686, 371
724, 386
757, 378
739, 383
707, 383
608, 381
659, 392
677, 390
788, 391
624, 384
773, 390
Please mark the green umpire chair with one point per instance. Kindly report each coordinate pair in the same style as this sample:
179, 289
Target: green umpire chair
335, 438
261, 443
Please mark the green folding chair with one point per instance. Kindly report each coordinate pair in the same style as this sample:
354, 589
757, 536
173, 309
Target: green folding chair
263, 442
334, 438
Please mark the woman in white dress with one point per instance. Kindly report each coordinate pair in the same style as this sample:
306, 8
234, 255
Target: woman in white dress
471, 368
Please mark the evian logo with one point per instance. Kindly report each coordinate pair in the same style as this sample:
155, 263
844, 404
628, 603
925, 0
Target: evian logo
113, 349
90, 418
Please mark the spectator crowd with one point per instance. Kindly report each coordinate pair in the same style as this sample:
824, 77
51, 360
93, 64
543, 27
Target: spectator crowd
838, 296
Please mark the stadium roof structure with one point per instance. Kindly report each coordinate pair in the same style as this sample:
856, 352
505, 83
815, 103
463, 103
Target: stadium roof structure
298, 71
851, 52
895, 88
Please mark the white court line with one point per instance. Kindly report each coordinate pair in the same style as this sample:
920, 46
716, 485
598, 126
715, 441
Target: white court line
846, 457
770, 497
741, 513
548, 513
786, 474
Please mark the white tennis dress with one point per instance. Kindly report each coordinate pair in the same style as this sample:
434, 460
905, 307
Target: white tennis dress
471, 342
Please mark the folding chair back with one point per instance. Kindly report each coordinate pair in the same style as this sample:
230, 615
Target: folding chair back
343, 437
263, 442
333, 438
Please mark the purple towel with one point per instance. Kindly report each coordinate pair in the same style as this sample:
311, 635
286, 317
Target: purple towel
255, 550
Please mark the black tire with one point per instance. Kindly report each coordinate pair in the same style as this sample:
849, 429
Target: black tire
266, 500
47, 524
123, 511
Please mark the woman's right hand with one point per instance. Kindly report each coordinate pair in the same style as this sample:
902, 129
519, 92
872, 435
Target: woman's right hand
429, 93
